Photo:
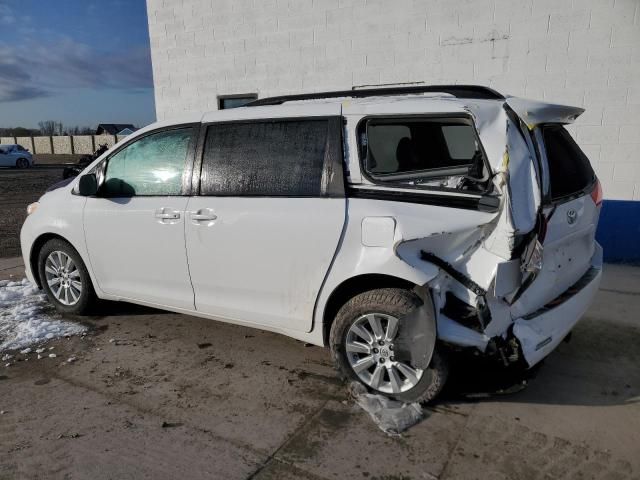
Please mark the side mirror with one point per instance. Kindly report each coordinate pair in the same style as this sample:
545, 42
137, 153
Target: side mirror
88, 185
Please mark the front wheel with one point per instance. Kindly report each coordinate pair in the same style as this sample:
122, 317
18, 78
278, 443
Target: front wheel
65, 278
362, 345
22, 163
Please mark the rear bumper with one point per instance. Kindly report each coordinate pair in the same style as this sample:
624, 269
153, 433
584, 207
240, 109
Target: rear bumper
540, 332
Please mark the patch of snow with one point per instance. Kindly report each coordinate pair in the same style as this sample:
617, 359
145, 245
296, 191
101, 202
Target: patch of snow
26, 317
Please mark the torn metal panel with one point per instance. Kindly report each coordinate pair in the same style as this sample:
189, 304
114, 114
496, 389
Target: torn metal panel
416, 338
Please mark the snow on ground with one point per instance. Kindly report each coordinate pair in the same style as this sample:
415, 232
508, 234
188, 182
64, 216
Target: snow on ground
27, 318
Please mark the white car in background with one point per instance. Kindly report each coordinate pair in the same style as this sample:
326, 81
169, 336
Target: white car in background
14, 155
395, 226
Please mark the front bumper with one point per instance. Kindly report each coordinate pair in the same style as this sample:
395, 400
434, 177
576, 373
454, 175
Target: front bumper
26, 243
540, 332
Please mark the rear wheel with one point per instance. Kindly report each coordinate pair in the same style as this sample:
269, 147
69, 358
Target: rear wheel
22, 163
65, 278
362, 345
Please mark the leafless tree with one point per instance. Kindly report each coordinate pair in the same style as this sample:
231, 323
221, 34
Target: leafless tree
50, 127
79, 130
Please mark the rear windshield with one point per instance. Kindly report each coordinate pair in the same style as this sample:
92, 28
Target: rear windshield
570, 172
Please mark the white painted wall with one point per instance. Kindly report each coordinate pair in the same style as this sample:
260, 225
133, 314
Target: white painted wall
580, 52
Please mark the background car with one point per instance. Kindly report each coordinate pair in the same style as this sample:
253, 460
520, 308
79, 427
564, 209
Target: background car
15, 156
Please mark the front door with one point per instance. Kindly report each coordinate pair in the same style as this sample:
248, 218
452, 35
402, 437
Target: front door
134, 228
263, 232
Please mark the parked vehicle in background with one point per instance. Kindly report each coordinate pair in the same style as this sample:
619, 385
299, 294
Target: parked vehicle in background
73, 170
395, 226
13, 155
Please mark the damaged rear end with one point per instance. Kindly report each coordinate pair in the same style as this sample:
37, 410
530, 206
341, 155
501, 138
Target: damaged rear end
515, 287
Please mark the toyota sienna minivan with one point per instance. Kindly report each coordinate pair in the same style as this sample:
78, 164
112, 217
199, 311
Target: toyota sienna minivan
394, 226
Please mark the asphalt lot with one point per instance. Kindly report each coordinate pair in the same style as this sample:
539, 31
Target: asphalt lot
160, 395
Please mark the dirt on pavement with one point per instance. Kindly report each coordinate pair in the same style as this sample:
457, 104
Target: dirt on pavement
159, 395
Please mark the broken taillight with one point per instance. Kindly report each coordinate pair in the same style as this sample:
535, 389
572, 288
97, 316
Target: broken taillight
596, 193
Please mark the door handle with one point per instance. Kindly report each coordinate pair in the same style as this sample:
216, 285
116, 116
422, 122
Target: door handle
167, 214
203, 215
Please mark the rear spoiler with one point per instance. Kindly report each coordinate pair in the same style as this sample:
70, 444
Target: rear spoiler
535, 113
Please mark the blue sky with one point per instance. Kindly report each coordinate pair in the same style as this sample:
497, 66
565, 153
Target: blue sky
75, 61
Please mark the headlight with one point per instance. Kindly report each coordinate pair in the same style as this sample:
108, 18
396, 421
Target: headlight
32, 207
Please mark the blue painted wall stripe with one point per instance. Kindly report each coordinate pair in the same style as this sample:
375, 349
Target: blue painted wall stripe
619, 231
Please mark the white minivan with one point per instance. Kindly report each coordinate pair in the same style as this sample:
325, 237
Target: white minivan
396, 226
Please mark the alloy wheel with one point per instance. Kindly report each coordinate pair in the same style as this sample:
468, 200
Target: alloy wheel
63, 277
369, 345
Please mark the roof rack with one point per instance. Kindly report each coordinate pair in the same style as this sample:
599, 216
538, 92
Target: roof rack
459, 91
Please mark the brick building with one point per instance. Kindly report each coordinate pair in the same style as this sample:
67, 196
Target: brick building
209, 54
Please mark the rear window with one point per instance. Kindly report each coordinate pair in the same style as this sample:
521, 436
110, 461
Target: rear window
271, 158
419, 150
570, 172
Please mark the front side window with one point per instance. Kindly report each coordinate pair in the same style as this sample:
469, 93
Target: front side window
417, 151
265, 158
153, 165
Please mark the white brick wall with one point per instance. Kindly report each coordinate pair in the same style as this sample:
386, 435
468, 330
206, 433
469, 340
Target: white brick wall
581, 52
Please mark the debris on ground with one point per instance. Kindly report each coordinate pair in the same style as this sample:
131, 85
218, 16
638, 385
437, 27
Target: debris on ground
170, 425
52, 355
391, 416
25, 319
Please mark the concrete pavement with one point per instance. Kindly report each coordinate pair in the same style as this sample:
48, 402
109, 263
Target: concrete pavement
160, 395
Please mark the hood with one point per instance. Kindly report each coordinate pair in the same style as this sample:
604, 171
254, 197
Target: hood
60, 184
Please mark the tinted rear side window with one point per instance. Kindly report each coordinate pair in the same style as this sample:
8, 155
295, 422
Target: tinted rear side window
270, 158
569, 169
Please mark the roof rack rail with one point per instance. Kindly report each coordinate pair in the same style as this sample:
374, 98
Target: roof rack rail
459, 91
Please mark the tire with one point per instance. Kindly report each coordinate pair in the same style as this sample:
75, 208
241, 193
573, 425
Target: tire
22, 163
386, 303
79, 300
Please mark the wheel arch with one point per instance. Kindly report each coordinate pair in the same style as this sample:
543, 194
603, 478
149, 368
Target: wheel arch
35, 250
353, 286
